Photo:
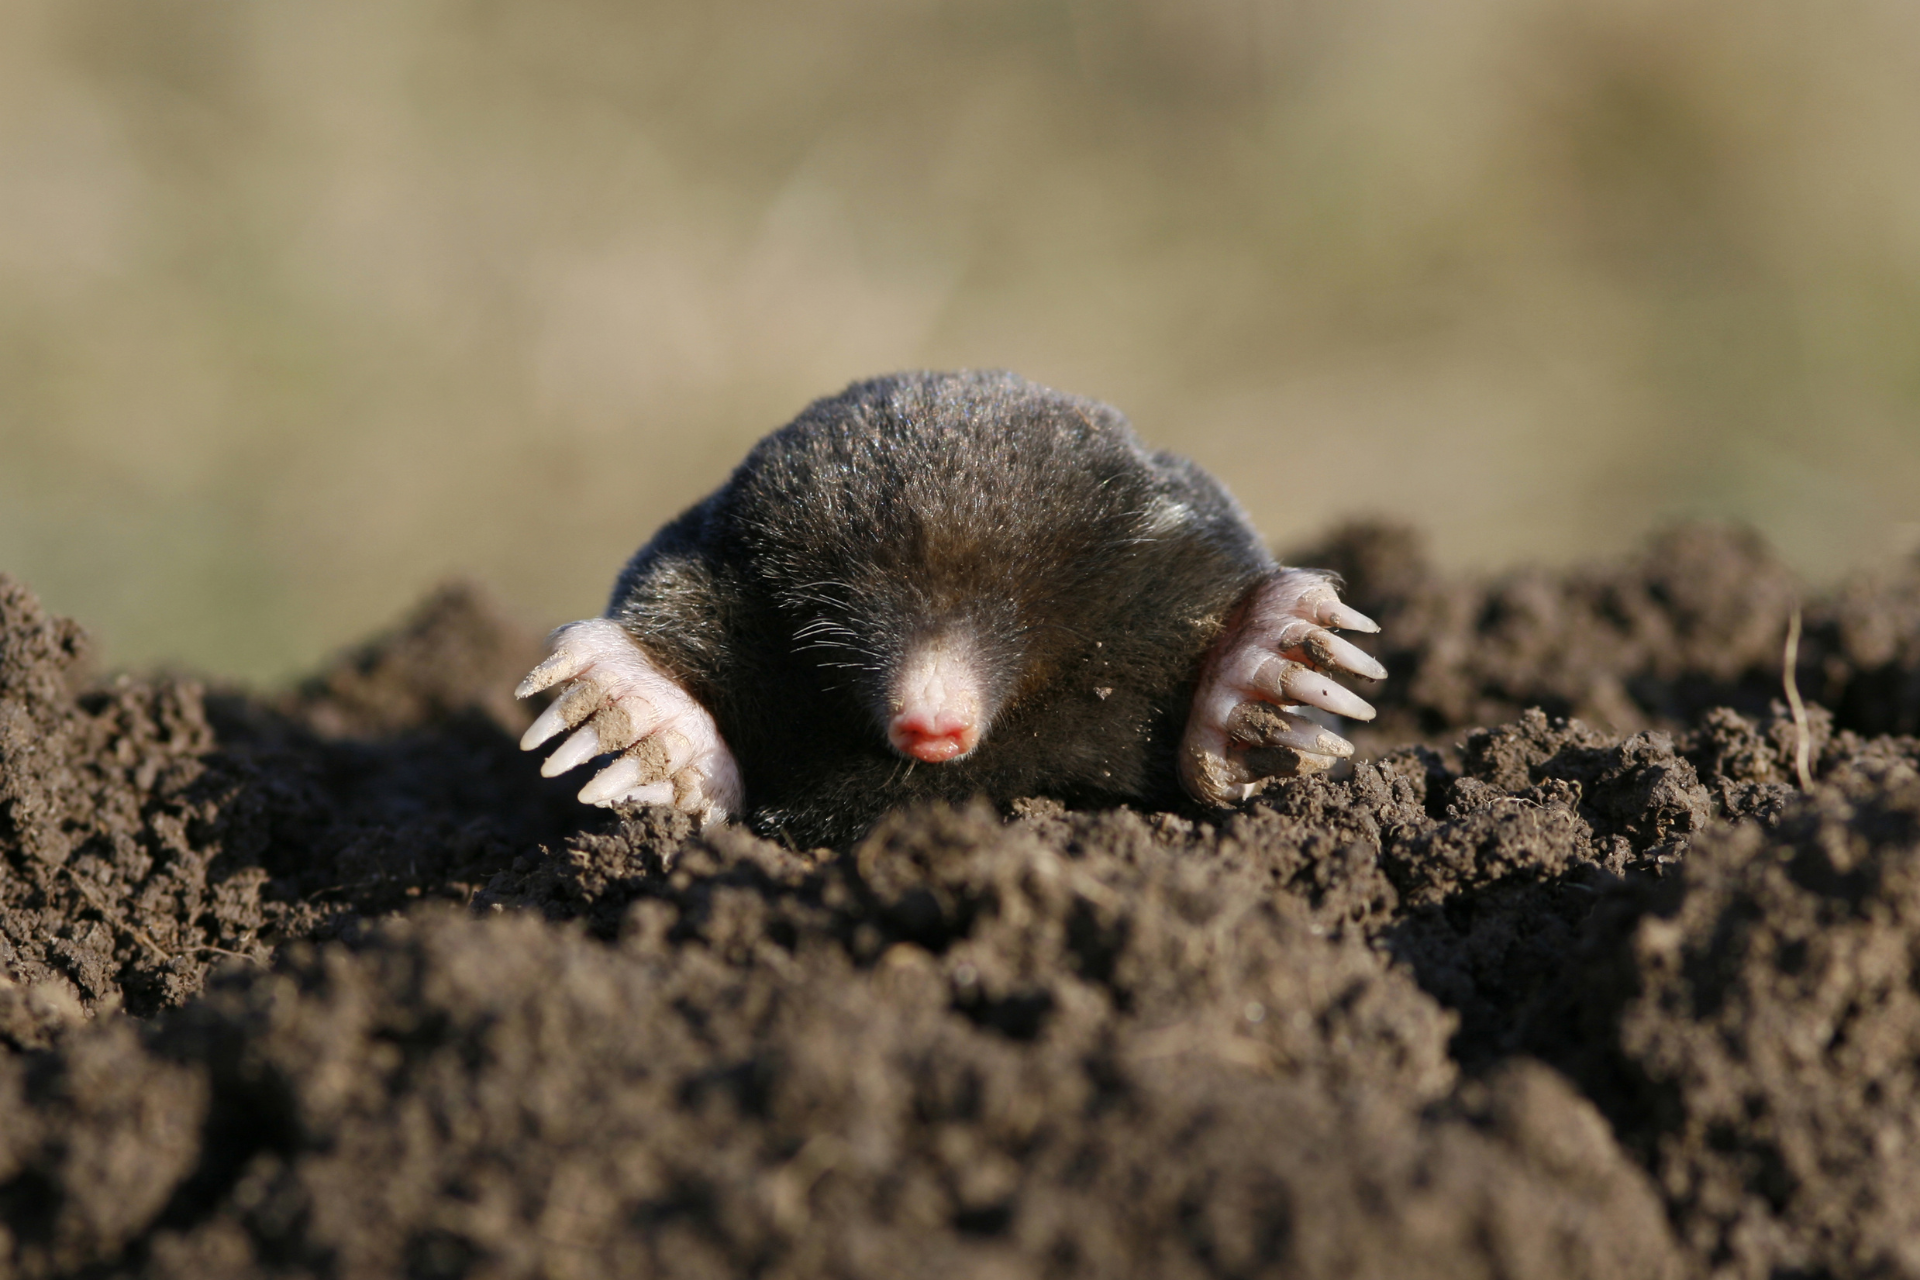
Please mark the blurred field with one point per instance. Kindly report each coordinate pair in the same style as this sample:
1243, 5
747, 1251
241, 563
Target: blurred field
305, 306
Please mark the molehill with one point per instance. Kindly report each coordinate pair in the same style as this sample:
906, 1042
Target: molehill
1568, 977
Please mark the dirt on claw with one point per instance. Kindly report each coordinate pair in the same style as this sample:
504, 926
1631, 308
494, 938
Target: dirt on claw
1562, 976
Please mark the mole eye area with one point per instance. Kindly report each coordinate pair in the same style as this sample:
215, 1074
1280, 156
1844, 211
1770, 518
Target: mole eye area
936, 701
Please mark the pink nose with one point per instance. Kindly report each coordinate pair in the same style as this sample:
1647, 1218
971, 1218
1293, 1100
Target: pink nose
932, 736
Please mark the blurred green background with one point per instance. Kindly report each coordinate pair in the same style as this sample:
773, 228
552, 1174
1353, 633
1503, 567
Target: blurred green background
304, 306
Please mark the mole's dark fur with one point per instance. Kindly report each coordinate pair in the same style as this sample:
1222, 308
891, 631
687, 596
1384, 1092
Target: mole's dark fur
1078, 560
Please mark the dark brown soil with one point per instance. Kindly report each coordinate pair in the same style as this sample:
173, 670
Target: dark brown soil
333, 984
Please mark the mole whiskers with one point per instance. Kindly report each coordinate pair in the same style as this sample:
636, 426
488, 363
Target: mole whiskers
830, 633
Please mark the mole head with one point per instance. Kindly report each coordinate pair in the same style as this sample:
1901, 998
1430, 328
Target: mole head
936, 543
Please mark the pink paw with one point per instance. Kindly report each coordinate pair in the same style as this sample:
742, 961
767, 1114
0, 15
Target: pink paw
1275, 655
668, 749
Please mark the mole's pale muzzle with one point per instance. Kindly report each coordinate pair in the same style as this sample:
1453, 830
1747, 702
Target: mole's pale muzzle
937, 701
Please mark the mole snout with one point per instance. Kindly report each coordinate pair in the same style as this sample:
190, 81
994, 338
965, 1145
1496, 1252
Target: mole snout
937, 700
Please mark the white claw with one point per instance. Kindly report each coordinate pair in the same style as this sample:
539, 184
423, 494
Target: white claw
1346, 617
560, 665
618, 778
1302, 684
550, 722
651, 793
1348, 656
1255, 724
1332, 744
583, 746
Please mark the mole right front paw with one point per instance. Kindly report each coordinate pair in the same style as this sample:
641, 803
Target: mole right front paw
667, 748
1275, 656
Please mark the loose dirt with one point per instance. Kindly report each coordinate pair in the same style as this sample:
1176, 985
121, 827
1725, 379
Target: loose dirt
1566, 978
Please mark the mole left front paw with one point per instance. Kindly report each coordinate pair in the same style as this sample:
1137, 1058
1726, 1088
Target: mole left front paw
668, 749
1276, 654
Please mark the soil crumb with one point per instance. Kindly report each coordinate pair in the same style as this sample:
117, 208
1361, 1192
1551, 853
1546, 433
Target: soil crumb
1566, 977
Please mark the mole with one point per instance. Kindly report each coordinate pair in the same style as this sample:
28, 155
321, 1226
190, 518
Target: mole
936, 586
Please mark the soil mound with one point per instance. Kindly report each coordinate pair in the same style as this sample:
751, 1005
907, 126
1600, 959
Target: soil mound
1769, 1048
1568, 979
1695, 621
152, 828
